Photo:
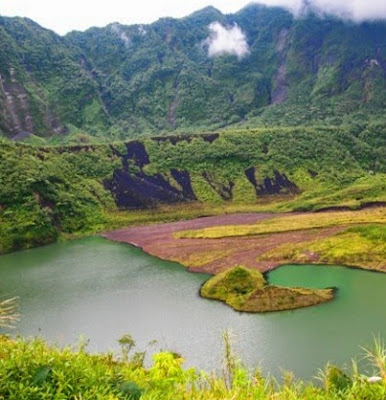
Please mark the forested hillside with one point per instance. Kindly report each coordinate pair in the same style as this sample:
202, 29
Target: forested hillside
49, 191
121, 81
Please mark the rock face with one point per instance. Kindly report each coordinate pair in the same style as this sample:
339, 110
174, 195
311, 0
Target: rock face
279, 183
140, 191
134, 187
163, 76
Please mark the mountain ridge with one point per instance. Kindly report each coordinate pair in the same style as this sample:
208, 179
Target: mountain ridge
120, 81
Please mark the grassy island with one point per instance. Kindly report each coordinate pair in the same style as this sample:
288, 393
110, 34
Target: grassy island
247, 290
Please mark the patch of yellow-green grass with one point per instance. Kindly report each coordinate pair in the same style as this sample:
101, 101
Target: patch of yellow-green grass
178, 212
316, 196
293, 222
236, 282
113, 219
201, 258
363, 246
276, 298
243, 191
246, 290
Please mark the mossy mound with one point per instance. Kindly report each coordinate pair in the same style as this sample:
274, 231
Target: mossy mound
233, 286
247, 290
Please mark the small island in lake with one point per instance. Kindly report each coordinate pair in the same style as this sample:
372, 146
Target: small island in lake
247, 290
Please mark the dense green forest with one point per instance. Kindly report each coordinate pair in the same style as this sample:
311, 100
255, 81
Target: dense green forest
122, 81
46, 192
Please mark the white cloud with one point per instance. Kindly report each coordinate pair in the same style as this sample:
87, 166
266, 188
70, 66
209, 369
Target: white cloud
293, 5
226, 40
142, 31
63, 16
121, 34
355, 10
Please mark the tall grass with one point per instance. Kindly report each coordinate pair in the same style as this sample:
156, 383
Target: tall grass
377, 357
8, 313
30, 369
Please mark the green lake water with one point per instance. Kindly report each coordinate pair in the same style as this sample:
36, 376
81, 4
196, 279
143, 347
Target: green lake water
101, 290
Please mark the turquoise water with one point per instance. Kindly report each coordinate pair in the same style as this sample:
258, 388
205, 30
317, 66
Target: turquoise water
101, 290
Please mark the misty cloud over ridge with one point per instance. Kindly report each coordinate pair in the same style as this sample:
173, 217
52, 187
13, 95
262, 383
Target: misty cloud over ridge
226, 40
121, 34
355, 10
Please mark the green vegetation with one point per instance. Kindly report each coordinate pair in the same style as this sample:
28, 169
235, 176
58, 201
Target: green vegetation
276, 298
46, 191
354, 238
246, 290
109, 84
121, 81
363, 246
233, 286
290, 223
33, 370
328, 166
50, 192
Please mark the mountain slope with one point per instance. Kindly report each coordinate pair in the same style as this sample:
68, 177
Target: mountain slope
119, 81
44, 88
77, 189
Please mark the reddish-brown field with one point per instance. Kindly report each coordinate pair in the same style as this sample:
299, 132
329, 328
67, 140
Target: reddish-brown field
215, 255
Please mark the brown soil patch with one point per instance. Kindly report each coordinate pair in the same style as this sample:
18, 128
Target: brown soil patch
215, 255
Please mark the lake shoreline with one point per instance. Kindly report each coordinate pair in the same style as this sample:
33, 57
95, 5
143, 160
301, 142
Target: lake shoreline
107, 289
261, 251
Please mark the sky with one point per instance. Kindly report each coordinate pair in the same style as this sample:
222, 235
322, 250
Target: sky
63, 16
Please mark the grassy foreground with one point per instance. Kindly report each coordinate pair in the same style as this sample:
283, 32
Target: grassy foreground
247, 290
32, 370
